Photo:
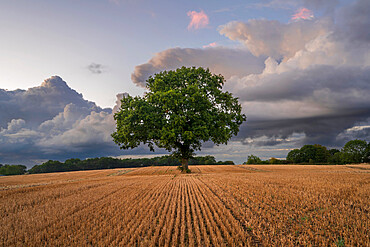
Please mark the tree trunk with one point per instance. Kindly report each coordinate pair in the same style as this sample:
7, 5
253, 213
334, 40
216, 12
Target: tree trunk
184, 163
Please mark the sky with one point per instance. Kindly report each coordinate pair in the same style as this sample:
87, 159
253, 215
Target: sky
300, 69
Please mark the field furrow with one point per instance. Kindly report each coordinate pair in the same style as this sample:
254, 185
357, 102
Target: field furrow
213, 230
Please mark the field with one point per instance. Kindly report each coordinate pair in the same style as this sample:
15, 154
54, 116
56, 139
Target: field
213, 206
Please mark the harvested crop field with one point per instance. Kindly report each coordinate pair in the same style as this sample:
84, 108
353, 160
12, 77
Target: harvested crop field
213, 206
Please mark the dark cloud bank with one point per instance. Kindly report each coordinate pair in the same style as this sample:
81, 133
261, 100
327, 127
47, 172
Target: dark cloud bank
302, 82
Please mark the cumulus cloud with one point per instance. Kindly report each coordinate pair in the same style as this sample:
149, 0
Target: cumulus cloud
95, 68
39, 104
273, 38
220, 60
197, 20
53, 121
86, 133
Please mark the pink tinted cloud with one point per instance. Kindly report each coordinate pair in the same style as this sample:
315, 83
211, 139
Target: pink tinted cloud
303, 14
214, 44
198, 20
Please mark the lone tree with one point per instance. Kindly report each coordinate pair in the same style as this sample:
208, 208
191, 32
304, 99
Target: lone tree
181, 109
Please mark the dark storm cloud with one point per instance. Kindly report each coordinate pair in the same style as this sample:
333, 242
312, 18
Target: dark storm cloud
225, 61
361, 131
95, 68
339, 88
324, 130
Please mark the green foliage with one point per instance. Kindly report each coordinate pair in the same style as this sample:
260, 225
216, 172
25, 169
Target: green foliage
309, 154
295, 156
367, 153
333, 151
336, 158
354, 151
181, 110
273, 161
205, 160
12, 170
227, 162
321, 154
72, 164
314, 154
253, 159
49, 166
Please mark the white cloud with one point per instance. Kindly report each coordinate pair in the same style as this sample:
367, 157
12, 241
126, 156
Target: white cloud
93, 131
273, 38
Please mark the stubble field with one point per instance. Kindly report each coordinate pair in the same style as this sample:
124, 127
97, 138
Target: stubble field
213, 206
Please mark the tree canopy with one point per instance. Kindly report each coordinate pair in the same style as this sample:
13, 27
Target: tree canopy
181, 110
309, 154
354, 151
12, 169
253, 159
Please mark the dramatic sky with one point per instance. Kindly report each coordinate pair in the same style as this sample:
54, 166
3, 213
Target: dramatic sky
300, 68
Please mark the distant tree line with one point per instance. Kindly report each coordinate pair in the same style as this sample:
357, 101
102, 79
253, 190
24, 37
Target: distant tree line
355, 151
106, 163
253, 159
6, 170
